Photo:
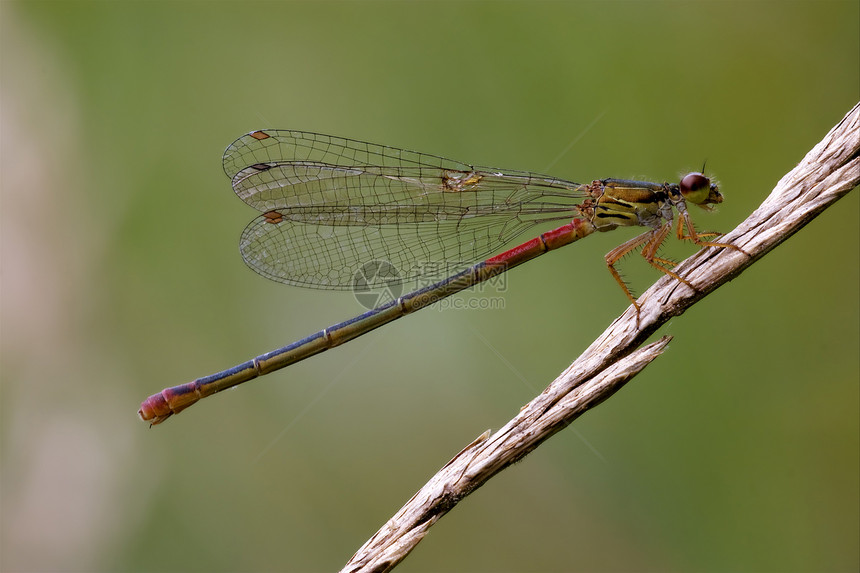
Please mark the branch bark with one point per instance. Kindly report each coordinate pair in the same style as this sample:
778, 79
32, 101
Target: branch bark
827, 173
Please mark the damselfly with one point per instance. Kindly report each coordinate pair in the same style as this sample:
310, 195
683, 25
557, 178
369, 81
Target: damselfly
332, 208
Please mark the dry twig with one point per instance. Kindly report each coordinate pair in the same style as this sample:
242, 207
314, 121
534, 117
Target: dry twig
828, 172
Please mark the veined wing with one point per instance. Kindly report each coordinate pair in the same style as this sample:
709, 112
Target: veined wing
329, 256
276, 169
333, 204
276, 145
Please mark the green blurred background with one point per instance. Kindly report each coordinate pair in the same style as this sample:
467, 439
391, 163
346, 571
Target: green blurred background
735, 451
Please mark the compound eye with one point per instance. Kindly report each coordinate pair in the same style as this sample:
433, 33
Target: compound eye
695, 188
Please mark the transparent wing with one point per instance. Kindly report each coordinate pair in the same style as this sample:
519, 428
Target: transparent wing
332, 256
331, 205
274, 145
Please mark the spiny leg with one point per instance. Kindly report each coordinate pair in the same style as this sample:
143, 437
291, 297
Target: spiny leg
649, 250
650, 243
691, 235
649, 253
620, 251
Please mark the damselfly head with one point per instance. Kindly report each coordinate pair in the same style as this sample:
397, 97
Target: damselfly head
698, 189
